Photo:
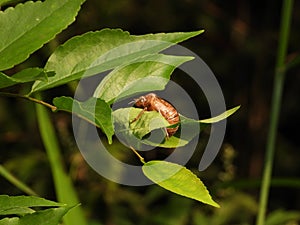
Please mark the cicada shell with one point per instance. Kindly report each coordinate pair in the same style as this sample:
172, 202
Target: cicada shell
151, 102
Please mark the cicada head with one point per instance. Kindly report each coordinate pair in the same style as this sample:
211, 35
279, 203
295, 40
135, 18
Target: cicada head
144, 101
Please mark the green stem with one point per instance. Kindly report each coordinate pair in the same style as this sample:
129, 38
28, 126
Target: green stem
65, 190
15, 181
6, 94
275, 108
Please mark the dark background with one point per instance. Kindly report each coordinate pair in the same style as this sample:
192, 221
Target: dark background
239, 45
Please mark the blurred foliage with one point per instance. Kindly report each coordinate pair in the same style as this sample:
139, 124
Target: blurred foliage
239, 45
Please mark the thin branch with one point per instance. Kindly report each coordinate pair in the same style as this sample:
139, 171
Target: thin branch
12, 95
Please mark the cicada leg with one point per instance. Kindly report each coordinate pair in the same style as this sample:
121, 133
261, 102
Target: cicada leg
167, 134
139, 115
165, 129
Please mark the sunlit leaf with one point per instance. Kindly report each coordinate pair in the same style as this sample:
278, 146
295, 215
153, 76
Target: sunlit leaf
133, 133
221, 116
151, 121
28, 26
95, 52
178, 179
152, 73
148, 122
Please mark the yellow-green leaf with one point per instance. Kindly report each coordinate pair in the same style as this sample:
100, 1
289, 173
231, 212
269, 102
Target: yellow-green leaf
178, 179
220, 117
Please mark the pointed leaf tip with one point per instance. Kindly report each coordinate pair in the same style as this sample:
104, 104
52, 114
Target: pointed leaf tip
179, 180
220, 117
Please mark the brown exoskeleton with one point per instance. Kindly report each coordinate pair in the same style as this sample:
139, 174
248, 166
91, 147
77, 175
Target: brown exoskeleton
151, 102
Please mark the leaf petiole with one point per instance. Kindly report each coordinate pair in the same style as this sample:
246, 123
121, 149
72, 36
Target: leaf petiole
138, 155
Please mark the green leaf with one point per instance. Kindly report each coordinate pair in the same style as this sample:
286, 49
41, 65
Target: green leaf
132, 133
18, 211
96, 52
152, 73
28, 26
151, 120
221, 116
178, 179
45, 217
189, 128
94, 110
24, 76
21, 205
17, 204
171, 142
